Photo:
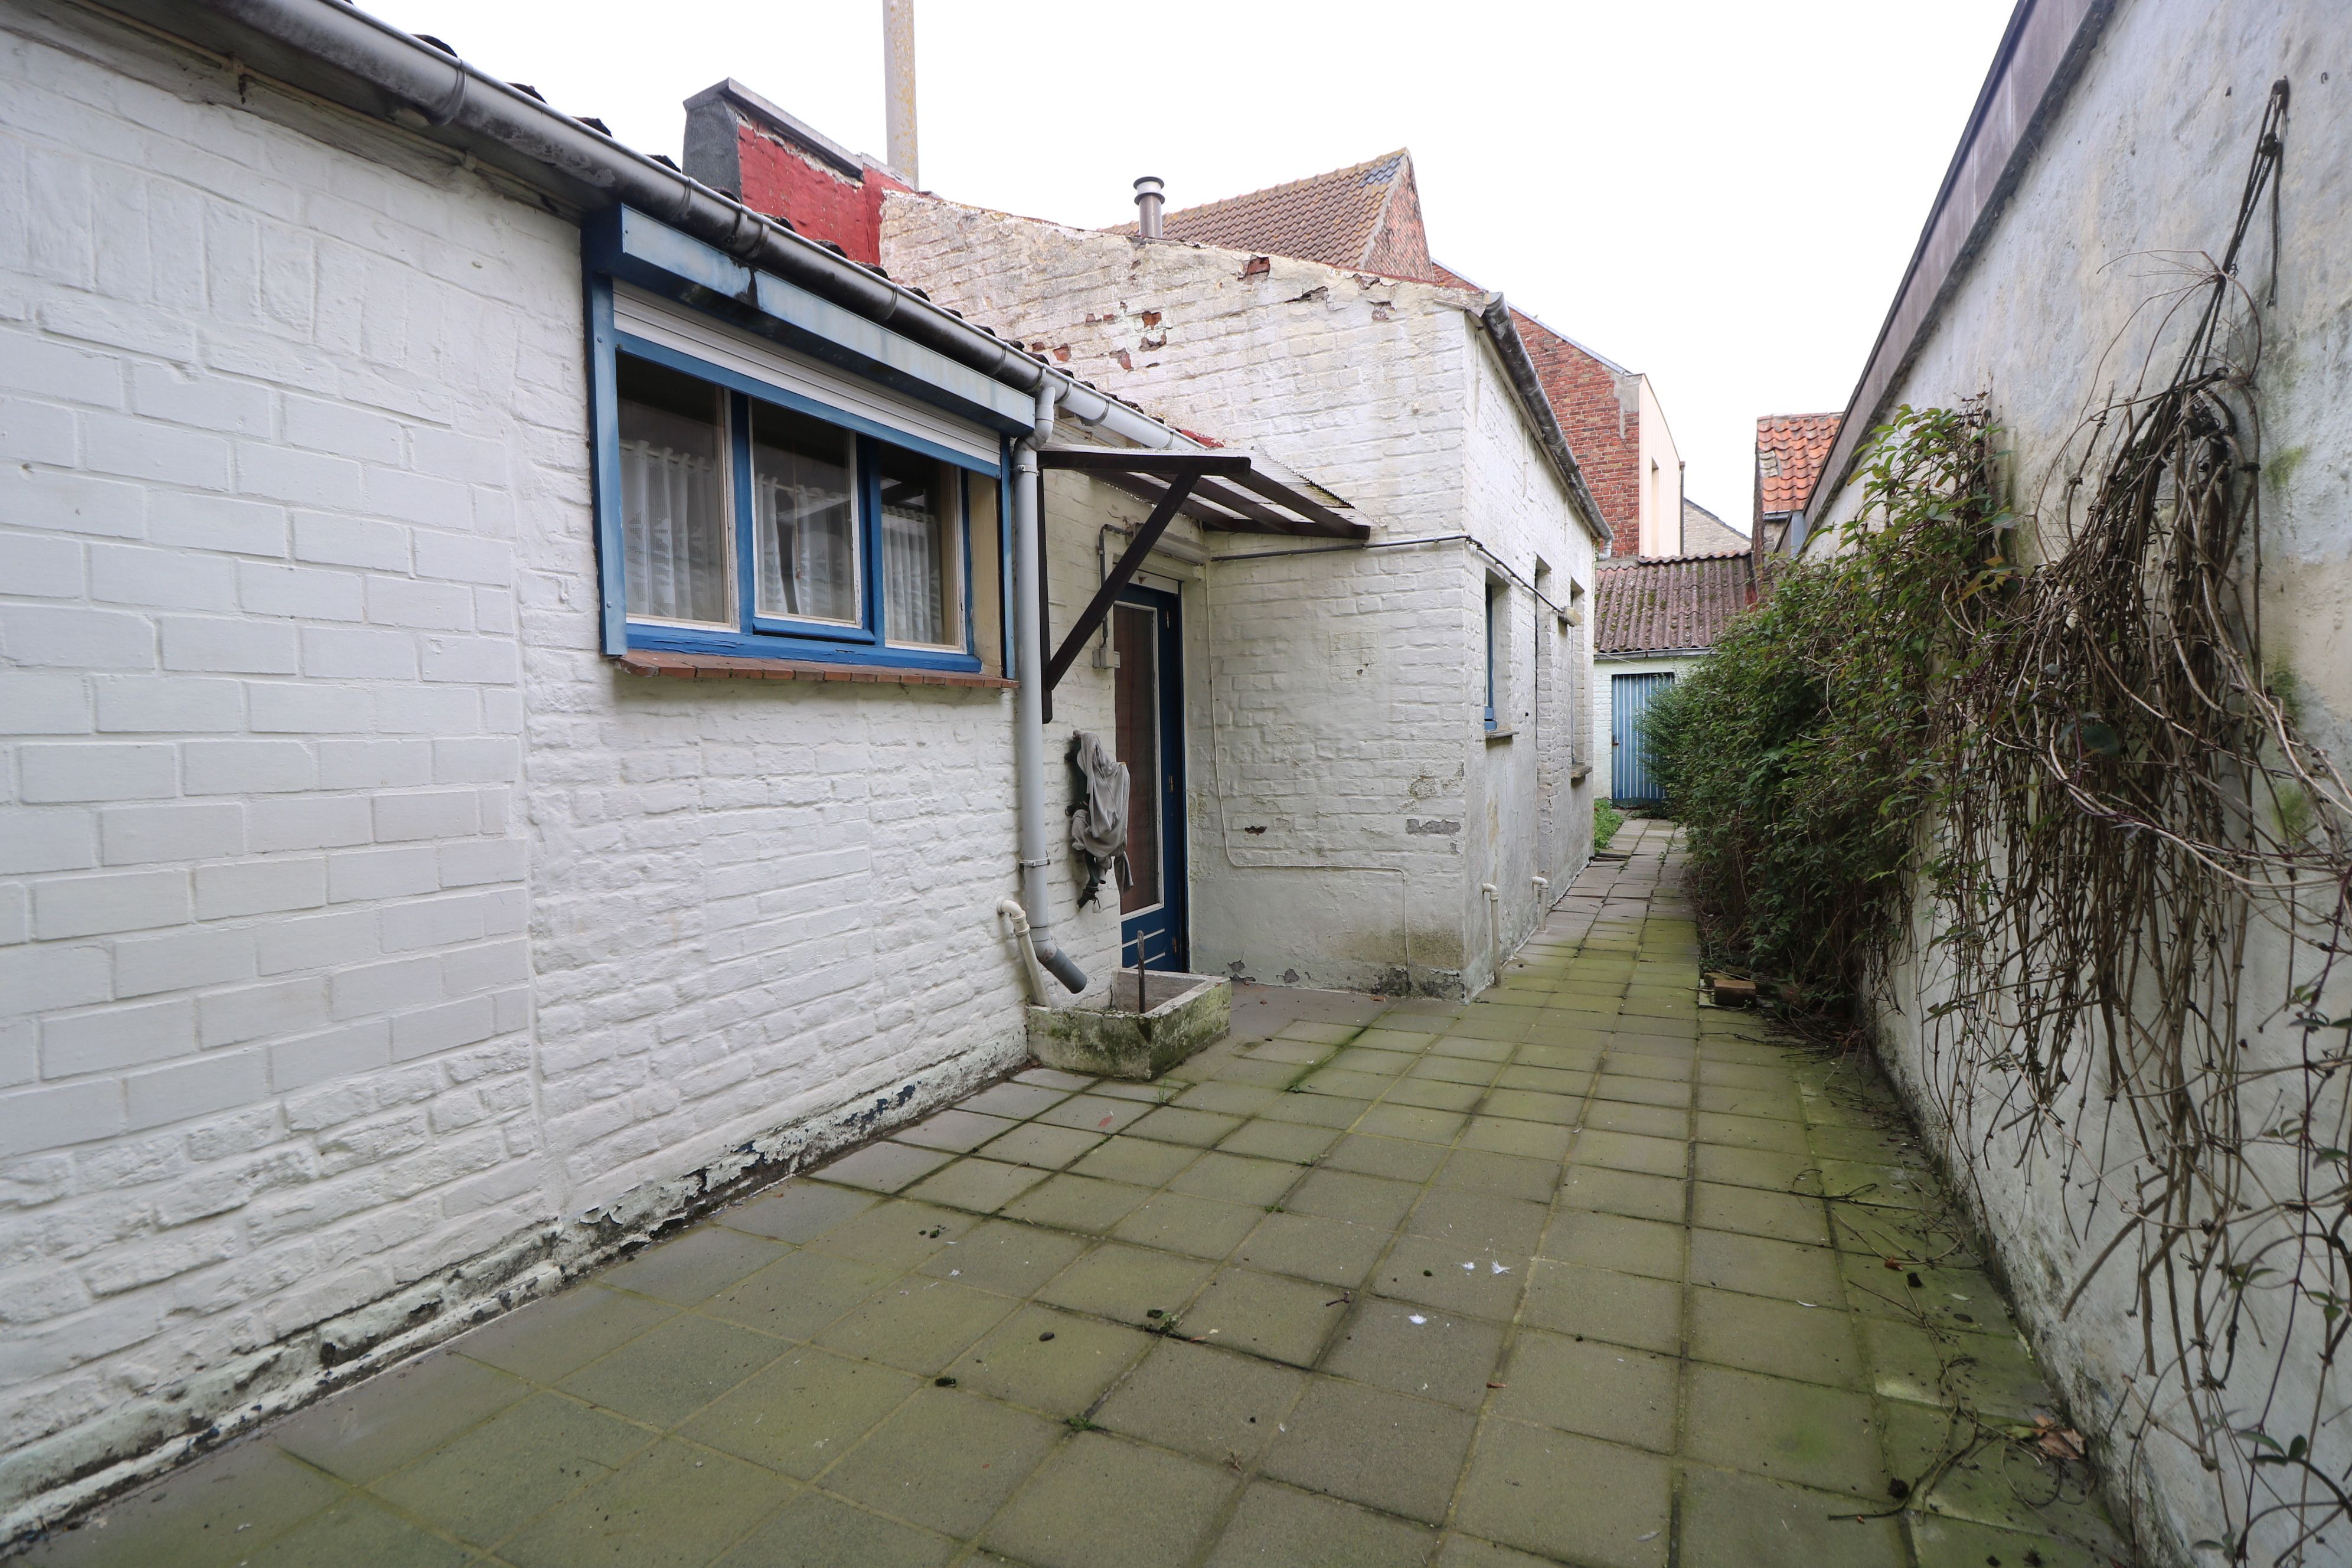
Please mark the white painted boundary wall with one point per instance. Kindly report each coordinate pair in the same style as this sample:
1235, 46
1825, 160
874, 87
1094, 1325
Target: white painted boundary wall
1346, 804
372, 953
2146, 160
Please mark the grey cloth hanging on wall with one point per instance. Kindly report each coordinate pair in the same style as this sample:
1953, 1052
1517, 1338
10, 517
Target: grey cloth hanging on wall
1098, 820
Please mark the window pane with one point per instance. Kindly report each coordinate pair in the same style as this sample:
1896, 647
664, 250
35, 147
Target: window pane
805, 522
922, 550
674, 524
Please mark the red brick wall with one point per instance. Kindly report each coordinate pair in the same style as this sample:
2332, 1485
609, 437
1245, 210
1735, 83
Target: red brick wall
1402, 248
1606, 439
815, 197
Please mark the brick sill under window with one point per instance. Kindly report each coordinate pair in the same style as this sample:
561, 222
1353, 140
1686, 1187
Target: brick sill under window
727, 666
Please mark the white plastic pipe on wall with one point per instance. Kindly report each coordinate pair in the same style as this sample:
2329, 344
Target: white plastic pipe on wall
1032, 976
1029, 697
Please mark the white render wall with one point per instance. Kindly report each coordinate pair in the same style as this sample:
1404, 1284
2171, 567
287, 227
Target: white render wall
2145, 161
1346, 807
1661, 477
373, 952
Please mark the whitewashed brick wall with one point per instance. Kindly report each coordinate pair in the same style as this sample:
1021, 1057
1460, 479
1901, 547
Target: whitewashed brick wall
370, 951
1333, 701
263, 1053
2059, 306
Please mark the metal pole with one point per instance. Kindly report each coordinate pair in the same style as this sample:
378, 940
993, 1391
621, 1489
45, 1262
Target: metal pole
898, 84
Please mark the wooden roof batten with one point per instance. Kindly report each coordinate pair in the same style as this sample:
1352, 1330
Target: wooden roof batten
1215, 498
1205, 486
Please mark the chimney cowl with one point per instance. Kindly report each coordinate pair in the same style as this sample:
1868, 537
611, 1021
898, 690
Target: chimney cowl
1147, 202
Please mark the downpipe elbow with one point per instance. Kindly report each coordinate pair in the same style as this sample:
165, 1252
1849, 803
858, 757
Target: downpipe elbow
1060, 965
1039, 958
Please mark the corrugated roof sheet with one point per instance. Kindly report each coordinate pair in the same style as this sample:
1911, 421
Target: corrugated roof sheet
1670, 603
1790, 451
1331, 218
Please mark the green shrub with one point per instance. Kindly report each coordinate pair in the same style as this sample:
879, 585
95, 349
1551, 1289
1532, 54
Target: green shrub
1797, 757
1606, 820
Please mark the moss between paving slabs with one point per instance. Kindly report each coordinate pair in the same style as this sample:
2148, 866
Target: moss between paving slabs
1545, 1277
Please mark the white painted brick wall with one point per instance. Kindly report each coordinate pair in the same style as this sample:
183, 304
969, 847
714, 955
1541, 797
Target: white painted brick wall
2147, 157
1330, 701
357, 918
193, 370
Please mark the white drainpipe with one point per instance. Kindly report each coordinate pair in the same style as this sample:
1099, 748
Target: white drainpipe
1029, 698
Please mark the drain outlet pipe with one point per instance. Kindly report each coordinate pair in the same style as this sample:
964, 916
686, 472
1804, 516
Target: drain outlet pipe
1031, 975
1494, 923
1029, 697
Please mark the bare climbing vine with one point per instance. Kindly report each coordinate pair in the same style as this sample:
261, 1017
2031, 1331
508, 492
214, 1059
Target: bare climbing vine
2130, 869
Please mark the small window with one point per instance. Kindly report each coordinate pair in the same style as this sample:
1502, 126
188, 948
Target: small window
1494, 622
803, 518
750, 528
681, 567
922, 554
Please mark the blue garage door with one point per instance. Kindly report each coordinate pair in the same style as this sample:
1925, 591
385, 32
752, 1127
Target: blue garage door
1630, 778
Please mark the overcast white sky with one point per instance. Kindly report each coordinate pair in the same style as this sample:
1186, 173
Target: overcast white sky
1720, 194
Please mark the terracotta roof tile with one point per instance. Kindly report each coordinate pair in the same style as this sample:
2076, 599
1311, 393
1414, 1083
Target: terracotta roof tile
1790, 451
1334, 218
1672, 603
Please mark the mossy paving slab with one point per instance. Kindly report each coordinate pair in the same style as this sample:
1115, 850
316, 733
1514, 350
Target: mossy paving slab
1167, 1506
488, 1483
1280, 1524
674, 1506
1202, 1401
206, 1516
804, 1411
1366, 1445
390, 1420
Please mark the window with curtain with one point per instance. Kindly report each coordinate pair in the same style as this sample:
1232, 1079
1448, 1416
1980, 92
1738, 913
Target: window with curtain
803, 518
761, 524
674, 496
921, 557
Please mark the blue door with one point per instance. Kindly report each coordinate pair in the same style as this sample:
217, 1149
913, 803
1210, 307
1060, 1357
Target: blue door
1147, 636
1630, 778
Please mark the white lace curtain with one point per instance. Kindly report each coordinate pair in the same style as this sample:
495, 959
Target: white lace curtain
675, 534
917, 572
808, 556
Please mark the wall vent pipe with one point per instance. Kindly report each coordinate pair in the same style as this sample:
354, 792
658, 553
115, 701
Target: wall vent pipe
1149, 200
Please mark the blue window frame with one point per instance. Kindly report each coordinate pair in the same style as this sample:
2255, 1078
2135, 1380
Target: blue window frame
739, 517
1492, 594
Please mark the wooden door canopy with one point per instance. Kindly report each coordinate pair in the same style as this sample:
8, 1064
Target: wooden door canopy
1225, 490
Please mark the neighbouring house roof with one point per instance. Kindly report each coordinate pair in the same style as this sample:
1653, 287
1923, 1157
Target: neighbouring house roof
1366, 216
1704, 534
1790, 451
1673, 603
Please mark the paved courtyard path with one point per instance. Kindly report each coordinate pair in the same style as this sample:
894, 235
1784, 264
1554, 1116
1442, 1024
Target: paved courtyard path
1580, 1272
